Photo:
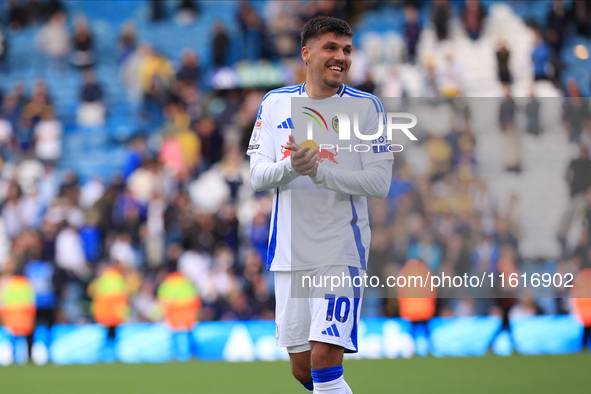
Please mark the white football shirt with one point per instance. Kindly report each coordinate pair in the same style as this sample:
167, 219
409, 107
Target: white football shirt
321, 221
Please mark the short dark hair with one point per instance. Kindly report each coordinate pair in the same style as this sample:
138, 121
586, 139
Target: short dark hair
320, 25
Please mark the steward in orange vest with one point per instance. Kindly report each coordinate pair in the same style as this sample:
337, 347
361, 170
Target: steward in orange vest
110, 305
180, 302
17, 306
417, 303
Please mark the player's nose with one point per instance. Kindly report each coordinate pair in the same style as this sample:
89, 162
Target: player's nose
340, 56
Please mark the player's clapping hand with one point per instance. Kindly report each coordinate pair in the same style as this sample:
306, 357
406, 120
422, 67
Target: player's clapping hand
304, 161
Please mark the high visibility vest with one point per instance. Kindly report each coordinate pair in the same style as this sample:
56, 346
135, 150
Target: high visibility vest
581, 297
180, 302
110, 304
17, 306
416, 303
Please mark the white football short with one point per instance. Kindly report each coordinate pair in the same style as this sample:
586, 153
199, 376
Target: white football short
318, 310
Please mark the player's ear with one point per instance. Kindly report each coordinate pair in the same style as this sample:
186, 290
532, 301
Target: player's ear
305, 54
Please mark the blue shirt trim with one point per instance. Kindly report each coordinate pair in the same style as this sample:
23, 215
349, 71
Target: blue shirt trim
354, 272
273, 242
340, 92
351, 91
357, 234
287, 89
378, 106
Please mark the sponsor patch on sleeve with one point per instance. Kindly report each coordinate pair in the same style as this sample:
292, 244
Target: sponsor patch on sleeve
381, 145
256, 132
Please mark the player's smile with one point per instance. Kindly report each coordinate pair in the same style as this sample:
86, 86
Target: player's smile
337, 70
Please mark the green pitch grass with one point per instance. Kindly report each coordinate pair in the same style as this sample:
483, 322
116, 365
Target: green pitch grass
491, 374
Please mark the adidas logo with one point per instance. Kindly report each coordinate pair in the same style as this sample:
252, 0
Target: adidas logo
286, 124
332, 331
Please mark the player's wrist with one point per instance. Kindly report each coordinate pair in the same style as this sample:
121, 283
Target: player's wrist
318, 178
290, 169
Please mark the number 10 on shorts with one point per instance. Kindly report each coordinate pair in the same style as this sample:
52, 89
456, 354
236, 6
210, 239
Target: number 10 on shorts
337, 310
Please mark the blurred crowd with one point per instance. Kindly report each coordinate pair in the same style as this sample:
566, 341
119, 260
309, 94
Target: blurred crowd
183, 200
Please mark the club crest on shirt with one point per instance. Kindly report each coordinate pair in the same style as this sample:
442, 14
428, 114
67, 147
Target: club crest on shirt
335, 124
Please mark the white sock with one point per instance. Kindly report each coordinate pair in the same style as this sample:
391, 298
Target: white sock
347, 388
330, 381
337, 386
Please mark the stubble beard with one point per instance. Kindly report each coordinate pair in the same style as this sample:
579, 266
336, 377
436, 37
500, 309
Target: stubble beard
332, 84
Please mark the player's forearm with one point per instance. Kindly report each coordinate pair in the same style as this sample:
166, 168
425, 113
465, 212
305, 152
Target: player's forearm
371, 182
266, 176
